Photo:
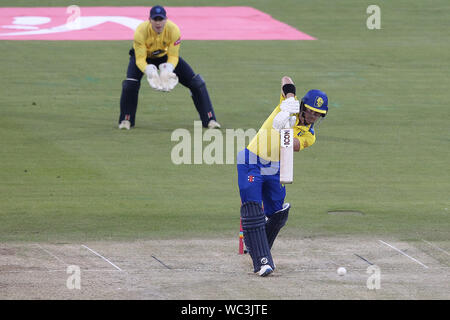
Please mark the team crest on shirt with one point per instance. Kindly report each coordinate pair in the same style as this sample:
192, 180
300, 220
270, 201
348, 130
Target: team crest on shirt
319, 102
156, 52
301, 132
251, 178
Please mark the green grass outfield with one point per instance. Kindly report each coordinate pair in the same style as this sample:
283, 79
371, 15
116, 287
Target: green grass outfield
68, 174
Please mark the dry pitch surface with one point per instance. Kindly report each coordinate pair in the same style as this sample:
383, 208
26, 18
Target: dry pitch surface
211, 269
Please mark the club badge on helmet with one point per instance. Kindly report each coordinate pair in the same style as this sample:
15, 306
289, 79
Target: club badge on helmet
316, 100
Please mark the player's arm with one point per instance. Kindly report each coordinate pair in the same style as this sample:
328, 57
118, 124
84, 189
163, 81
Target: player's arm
296, 145
304, 141
140, 50
168, 78
173, 52
140, 53
288, 107
287, 91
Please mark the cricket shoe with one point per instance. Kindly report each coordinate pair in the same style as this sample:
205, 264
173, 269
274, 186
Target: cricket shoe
265, 270
125, 124
213, 124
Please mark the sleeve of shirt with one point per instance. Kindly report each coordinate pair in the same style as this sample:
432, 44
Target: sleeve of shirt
140, 50
306, 140
173, 51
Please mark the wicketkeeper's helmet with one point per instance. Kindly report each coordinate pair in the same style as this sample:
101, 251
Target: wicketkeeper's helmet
316, 100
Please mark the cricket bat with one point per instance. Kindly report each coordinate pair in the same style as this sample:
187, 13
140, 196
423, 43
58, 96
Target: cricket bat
286, 155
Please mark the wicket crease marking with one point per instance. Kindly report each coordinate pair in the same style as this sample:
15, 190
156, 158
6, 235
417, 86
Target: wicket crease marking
165, 265
362, 258
51, 254
434, 246
403, 253
99, 255
56, 271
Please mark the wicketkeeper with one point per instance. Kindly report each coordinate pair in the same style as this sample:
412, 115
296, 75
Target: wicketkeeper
263, 211
155, 53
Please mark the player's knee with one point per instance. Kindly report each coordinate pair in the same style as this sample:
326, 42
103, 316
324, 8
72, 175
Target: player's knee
131, 85
252, 215
281, 216
197, 82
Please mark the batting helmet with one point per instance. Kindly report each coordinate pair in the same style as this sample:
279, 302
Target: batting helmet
316, 100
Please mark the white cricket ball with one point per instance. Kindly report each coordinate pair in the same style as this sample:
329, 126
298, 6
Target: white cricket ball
341, 271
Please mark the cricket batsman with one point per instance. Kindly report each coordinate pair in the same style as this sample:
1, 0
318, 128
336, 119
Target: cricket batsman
263, 211
155, 53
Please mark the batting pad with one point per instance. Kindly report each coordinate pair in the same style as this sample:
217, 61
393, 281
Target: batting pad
275, 223
255, 238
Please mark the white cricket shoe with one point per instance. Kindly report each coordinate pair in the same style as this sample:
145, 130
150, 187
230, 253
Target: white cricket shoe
213, 124
125, 124
265, 270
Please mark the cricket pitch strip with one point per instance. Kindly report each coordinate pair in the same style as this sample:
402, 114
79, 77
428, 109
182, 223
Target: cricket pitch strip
212, 269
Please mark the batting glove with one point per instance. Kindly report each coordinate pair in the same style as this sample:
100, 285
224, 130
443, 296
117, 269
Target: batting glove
292, 121
153, 77
280, 120
168, 78
290, 105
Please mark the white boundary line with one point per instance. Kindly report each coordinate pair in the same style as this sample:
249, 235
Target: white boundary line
99, 255
403, 253
51, 254
435, 246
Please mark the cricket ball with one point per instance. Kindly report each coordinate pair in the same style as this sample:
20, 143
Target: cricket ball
341, 271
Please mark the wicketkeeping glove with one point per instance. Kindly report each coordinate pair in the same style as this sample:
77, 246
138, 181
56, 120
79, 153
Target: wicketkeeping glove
290, 105
168, 78
280, 120
153, 77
